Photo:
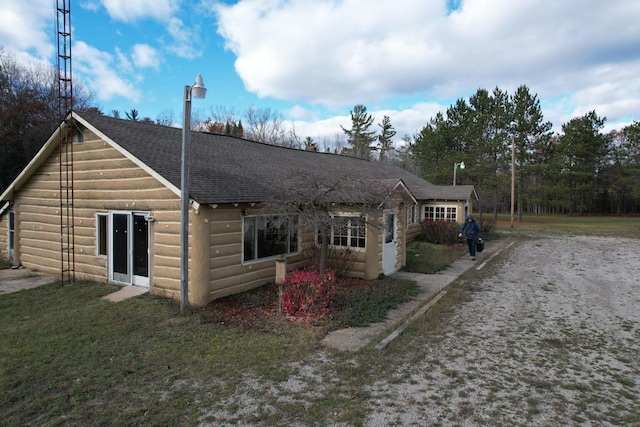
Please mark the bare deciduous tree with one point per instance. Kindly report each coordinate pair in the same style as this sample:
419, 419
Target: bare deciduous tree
28, 111
316, 198
166, 118
265, 125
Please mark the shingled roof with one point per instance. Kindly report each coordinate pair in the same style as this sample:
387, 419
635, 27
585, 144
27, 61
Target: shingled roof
226, 169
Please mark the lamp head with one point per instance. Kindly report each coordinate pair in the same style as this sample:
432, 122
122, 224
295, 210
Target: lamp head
461, 165
198, 90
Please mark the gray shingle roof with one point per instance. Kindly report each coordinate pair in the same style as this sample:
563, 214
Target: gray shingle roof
225, 169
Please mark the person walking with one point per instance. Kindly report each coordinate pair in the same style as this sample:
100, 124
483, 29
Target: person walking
472, 232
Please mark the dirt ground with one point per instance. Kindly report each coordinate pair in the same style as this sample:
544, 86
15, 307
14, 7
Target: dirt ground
550, 336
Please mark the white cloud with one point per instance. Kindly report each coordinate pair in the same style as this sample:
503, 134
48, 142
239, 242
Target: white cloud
97, 69
298, 112
358, 51
124, 64
25, 27
408, 121
144, 56
134, 10
186, 41
92, 5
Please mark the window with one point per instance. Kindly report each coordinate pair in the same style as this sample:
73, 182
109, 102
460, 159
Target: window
451, 214
440, 213
101, 234
12, 228
411, 215
269, 236
390, 228
348, 232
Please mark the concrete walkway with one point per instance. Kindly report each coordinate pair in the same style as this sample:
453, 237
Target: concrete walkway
14, 280
432, 288
125, 293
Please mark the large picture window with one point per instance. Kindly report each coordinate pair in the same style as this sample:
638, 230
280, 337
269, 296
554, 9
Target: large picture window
269, 236
348, 232
440, 213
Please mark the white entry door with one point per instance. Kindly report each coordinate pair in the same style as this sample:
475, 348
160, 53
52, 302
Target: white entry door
389, 243
129, 248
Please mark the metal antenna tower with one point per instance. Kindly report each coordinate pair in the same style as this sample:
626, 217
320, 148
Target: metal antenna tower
65, 106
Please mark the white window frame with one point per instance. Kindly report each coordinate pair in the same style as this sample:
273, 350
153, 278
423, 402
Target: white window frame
349, 232
441, 212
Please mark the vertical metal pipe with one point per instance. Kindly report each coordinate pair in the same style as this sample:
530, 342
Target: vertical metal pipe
184, 210
455, 169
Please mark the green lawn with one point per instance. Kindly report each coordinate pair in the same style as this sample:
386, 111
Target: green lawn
428, 258
620, 226
67, 357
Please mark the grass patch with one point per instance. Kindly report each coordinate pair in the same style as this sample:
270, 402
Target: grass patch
4, 264
68, 357
356, 306
614, 226
428, 258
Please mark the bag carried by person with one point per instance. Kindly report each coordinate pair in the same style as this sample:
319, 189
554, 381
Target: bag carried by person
480, 245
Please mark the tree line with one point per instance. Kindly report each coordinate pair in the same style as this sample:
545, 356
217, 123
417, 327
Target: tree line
581, 170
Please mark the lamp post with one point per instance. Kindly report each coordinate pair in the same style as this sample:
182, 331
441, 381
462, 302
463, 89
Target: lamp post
455, 169
196, 90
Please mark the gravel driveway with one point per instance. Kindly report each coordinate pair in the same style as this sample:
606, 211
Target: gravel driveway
548, 335
551, 338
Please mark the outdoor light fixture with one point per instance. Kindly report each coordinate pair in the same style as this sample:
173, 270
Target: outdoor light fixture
455, 169
198, 91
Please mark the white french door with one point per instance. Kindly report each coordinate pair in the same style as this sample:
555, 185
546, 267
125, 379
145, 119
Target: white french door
129, 248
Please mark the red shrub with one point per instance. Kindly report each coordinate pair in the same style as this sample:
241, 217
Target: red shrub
307, 294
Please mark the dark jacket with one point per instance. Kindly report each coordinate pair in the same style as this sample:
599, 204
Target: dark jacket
471, 229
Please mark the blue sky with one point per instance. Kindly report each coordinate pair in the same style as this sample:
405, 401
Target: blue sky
313, 60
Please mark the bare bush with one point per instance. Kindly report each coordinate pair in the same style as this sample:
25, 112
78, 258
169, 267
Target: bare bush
439, 232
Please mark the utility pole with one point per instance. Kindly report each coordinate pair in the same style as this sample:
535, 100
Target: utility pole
513, 176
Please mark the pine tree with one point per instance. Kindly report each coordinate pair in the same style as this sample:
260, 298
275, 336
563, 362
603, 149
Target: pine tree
384, 139
359, 136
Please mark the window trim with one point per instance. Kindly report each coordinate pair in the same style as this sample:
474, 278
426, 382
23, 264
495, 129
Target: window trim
412, 216
102, 232
11, 235
446, 212
349, 237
